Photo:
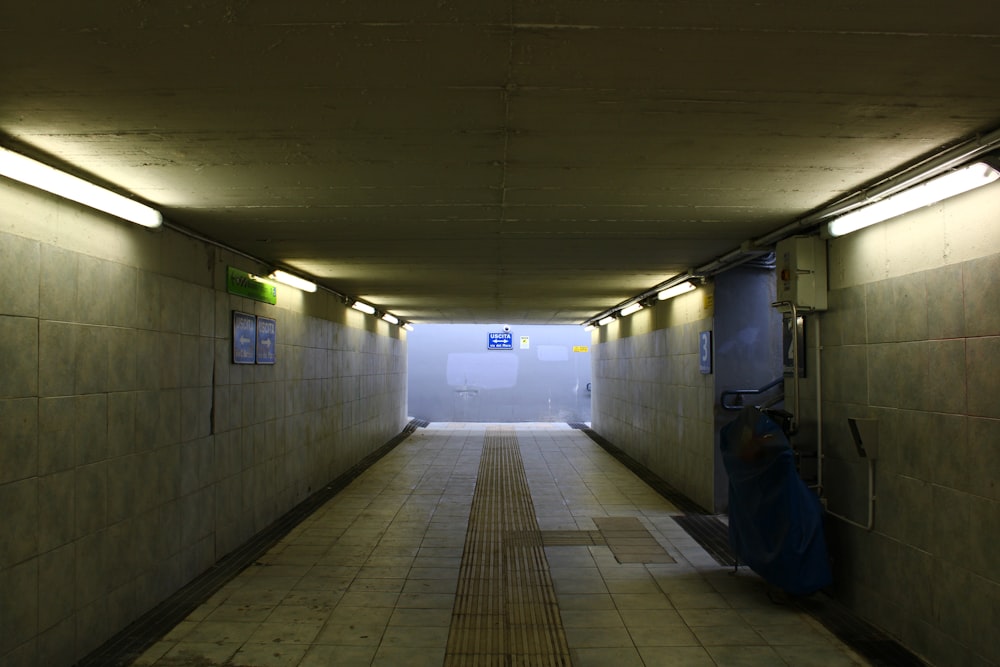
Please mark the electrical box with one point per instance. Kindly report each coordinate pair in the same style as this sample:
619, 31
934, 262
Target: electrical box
801, 271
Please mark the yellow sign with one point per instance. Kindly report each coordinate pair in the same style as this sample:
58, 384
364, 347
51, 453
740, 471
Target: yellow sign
581, 348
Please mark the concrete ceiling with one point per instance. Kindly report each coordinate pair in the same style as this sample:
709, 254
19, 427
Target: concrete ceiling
482, 161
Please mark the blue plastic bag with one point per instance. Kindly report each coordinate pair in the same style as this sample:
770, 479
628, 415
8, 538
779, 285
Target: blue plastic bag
775, 520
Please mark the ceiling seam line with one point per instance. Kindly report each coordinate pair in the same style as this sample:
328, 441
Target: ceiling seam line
507, 89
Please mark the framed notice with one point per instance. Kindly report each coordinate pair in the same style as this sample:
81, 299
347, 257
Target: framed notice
244, 338
242, 283
705, 352
267, 330
501, 340
787, 344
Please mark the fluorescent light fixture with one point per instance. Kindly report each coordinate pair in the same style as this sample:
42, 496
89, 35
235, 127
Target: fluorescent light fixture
293, 281
590, 327
676, 290
408, 326
628, 310
262, 279
605, 320
391, 319
950, 184
31, 172
363, 307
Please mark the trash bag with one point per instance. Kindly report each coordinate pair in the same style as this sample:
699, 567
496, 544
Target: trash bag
775, 520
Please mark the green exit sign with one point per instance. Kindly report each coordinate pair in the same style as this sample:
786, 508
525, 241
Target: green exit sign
245, 284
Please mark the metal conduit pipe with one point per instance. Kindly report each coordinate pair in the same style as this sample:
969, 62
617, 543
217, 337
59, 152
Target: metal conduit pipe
794, 424
819, 412
905, 178
901, 180
212, 242
652, 292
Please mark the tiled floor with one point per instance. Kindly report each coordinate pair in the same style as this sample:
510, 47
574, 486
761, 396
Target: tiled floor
371, 578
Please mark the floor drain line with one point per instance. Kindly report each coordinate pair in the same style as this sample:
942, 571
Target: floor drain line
505, 609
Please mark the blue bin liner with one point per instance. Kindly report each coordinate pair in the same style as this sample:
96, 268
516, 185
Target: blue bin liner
775, 520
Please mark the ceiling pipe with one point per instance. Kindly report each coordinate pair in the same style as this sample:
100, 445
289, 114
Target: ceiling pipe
897, 182
645, 296
905, 178
222, 246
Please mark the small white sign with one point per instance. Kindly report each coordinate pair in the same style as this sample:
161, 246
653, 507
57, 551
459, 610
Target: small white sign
524, 343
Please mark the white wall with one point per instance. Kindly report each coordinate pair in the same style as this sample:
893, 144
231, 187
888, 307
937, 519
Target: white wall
133, 453
912, 338
649, 398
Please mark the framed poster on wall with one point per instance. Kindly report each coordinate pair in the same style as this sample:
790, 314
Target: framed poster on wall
787, 339
705, 352
267, 333
244, 338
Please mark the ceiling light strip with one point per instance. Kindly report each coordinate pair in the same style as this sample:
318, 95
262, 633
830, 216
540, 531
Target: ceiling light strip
38, 175
363, 307
929, 192
676, 290
191, 234
31, 172
906, 178
648, 294
632, 308
923, 170
286, 278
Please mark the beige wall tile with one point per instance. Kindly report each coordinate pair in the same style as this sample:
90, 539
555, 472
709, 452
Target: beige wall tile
19, 441
21, 287
982, 365
19, 354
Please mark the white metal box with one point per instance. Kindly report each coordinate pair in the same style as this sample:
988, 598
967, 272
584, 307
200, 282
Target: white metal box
801, 271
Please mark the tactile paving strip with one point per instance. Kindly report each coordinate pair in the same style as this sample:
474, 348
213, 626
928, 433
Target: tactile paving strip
505, 609
572, 538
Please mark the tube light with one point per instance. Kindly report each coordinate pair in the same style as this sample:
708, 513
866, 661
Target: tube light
363, 307
31, 172
408, 326
589, 327
293, 281
391, 319
676, 290
628, 310
950, 184
605, 320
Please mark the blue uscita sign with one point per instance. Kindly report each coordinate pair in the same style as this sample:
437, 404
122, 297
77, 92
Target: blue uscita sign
500, 340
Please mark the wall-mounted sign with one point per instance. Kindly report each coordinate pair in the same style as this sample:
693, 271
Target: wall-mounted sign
244, 338
705, 352
242, 283
500, 340
267, 330
525, 343
581, 348
788, 358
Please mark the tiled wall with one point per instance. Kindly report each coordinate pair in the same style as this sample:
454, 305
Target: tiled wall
912, 339
133, 453
649, 398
